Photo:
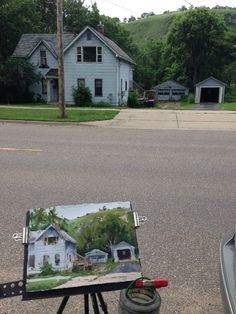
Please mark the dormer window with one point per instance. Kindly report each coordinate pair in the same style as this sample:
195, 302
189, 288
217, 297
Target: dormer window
43, 59
89, 54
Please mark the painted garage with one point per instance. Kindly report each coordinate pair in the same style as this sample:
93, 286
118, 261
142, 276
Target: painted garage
170, 91
210, 90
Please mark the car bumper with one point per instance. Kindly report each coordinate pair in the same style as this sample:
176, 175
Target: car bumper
228, 272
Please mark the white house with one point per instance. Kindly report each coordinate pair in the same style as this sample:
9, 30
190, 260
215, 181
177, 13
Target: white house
123, 251
51, 246
90, 59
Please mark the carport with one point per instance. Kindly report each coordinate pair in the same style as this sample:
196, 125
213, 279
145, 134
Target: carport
210, 90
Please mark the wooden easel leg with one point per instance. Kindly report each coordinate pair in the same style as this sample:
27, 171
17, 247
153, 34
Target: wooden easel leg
63, 305
102, 303
86, 304
95, 303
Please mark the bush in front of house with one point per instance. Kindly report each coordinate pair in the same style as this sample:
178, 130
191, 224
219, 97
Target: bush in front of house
46, 269
82, 96
230, 98
191, 99
133, 101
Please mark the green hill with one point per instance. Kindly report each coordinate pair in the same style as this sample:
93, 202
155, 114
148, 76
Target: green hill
157, 26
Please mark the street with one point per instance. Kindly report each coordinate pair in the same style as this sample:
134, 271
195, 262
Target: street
184, 181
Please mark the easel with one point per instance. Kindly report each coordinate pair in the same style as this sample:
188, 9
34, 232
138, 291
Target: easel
95, 304
15, 288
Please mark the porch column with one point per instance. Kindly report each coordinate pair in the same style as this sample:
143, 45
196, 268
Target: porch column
48, 90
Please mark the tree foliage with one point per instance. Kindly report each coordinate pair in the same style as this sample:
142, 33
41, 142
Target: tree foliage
197, 45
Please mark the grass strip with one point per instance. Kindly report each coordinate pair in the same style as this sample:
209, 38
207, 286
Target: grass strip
52, 115
44, 284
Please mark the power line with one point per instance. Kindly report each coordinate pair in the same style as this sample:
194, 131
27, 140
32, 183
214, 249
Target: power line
122, 7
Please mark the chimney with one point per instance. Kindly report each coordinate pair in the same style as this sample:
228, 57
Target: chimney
100, 28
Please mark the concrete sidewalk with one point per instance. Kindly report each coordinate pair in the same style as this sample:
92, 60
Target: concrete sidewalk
170, 119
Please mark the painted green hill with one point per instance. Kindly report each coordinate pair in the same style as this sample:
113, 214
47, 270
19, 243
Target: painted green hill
156, 27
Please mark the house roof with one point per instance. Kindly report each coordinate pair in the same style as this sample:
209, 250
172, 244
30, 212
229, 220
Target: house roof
170, 84
95, 252
52, 73
209, 79
121, 244
35, 235
29, 42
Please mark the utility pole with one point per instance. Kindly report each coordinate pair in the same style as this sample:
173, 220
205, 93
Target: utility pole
60, 60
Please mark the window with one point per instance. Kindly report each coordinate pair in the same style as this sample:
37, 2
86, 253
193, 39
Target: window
99, 54
46, 259
44, 86
89, 54
50, 240
163, 91
57, 259
43, 59
98, 87
79, 54
126, 85
81, 82
178, 92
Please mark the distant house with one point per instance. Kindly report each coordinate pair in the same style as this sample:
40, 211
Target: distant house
123, 251
51, 246
210, 90
170, 91
90, 59
97, 256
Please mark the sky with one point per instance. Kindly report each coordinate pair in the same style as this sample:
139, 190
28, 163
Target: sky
126, 8
74, 211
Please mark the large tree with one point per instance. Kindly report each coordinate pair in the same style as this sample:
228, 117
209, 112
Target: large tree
197, 46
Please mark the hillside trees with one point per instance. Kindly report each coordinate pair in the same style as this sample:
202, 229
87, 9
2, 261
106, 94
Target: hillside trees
198, 46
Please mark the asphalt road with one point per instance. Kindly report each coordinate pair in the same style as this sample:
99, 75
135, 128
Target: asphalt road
183, 181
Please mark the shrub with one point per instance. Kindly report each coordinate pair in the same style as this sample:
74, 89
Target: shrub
82, 96
191, 99
230, 98
46, 269
133, 100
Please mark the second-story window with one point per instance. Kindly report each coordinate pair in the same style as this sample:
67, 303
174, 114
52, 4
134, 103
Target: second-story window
43, 59
89, 54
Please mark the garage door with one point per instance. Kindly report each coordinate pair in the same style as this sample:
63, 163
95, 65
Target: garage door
210, 94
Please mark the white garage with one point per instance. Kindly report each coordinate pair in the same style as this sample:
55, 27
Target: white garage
210, 90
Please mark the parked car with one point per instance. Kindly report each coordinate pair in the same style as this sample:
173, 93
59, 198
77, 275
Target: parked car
228, 272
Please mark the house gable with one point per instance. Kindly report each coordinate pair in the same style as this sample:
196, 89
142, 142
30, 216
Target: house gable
118, 52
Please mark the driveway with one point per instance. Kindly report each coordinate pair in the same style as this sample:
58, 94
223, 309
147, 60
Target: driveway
170, 119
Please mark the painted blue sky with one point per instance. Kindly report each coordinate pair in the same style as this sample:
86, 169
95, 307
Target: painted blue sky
74, 211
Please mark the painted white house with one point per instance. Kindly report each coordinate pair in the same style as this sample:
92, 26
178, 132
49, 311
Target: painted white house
90, 59
51, 246
123, 251
97, 256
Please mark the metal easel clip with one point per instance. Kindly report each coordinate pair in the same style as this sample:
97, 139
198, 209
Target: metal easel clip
21, 236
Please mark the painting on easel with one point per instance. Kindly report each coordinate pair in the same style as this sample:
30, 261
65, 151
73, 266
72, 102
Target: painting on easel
80, 246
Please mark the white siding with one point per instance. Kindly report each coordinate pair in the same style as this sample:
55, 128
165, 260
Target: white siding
35, 60
106, 70
126, 77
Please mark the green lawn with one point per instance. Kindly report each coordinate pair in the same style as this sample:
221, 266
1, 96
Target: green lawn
45, 114
175, 105
44, 284
228, 106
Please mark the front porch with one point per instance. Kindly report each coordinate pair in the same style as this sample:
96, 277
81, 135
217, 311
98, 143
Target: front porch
52, 86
